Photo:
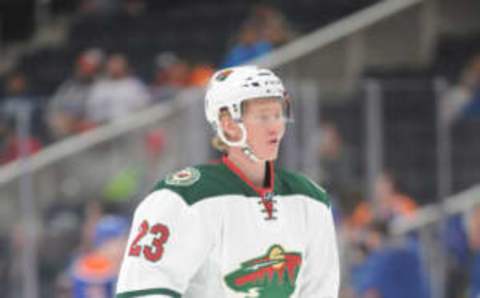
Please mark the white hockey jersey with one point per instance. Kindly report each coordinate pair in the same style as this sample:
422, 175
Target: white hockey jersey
208, 232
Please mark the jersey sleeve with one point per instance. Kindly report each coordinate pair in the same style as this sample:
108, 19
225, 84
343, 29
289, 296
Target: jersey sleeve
321, 276
168, 242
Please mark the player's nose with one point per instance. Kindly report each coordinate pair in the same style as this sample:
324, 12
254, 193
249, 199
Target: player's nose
275, 128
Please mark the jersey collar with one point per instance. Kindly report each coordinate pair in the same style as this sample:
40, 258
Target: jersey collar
261, 191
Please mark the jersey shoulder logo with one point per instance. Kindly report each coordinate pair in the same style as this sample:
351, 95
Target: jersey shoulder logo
185, 177
272, 275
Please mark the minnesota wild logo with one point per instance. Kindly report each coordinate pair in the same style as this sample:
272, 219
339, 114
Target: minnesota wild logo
185, 177
270, 276
223, 75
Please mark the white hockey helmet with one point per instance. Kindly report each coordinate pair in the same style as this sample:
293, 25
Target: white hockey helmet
229, 88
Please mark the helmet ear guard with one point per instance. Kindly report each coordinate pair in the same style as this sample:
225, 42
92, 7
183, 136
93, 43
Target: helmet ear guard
239, 143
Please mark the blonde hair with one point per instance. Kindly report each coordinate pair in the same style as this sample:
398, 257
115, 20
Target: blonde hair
219, 145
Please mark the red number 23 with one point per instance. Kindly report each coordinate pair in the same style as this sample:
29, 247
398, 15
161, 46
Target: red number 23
154, 251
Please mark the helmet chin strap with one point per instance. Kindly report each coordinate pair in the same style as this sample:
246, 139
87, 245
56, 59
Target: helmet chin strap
249, 153
242, 143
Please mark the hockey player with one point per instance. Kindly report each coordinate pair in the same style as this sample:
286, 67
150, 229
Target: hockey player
240, 228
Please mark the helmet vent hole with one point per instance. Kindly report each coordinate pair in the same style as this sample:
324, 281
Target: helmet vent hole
255, 84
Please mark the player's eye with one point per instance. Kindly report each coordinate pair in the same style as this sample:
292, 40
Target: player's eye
263, 118
268, 118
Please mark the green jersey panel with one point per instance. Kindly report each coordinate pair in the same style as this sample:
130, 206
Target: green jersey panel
214, 180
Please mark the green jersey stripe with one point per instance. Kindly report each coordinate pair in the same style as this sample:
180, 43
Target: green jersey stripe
218, 180
140, 293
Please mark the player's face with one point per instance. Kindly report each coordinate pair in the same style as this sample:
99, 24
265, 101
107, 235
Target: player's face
264, 120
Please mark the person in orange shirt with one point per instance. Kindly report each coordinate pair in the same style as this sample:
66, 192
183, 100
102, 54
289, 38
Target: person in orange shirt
387, 204
200, 75
94, 274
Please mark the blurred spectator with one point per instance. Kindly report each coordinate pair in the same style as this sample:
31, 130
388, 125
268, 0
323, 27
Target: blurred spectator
17, 99
200, 75
15, 90
474, 240
171, 75
336, 166
391, 269
387, 204
117, 95
95, 247
94, 274
271, 25
250, 45
108, 228
463, 100
11, 144
68, 106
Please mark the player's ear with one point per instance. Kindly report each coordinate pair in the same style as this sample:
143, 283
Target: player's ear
230, 127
